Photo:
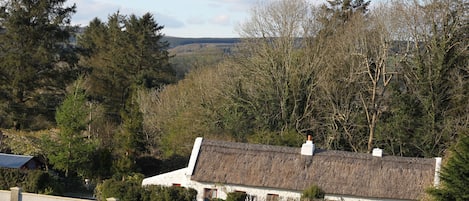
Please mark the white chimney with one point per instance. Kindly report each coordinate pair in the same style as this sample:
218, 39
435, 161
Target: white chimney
308, 147
436, 181
377, 152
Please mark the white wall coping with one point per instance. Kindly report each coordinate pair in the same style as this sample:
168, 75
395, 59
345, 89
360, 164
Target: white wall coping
194, 155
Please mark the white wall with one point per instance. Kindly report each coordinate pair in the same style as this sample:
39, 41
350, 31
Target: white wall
181, 177
353, 198
5, 195
168, 179
259, 192
39, 197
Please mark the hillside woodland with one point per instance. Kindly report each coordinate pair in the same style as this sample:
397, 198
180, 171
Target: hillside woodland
123, 101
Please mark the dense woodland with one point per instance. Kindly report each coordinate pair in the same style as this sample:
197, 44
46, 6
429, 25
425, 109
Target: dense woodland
118, 102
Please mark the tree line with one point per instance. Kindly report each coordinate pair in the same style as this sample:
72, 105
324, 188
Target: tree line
79, 100
394, 76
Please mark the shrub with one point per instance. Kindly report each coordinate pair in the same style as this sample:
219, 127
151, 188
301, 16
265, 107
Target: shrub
163, 193
132, 190
313, 192
34, 181
11, 178
236, 196
123, 190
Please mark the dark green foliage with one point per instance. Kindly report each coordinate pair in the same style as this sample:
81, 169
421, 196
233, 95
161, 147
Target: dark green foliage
236, 196
101, 163
163, 193
437, 76
401, 130
120, 53
288, 138
36, 62
132, 190
130, 139
125, 190
454, 174
312, 193
34, 181
150, 166
71, 150
11, 178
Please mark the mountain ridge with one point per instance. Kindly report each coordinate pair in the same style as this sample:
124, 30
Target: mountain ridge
178, 41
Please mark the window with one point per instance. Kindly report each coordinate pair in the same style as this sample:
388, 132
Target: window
210, 193
272, 197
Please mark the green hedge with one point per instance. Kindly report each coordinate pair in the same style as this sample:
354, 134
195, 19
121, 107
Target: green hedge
130, 189
33, 181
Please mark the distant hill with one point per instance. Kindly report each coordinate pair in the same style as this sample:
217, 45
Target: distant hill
176, 41
202, 48
190, 53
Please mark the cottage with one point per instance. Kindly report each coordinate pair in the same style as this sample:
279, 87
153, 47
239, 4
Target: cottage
19, 162
267, 172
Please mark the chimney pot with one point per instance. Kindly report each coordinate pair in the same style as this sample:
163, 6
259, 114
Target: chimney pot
307, 148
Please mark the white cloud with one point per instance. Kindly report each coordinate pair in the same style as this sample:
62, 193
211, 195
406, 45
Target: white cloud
221, 20
196, 20
89, 9
168, 21
235, 5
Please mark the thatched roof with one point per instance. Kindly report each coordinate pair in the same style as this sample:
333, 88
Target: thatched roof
336, 172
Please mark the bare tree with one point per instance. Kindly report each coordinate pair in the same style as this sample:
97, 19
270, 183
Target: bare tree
277, 65
356, 76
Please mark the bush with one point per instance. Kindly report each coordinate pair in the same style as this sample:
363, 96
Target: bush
33, 181
312, 193
236, 196
163, 193
131, 190
121, 189
11, 178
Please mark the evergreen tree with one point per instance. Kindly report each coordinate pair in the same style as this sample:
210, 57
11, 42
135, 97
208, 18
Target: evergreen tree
454, 174
122, 52
36, 62
339, 12
71, 150
150, 67
130, 140
436, 73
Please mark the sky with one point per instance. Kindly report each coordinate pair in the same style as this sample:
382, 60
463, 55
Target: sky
180, 18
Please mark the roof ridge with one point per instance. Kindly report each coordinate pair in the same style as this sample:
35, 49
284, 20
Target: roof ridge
16, 155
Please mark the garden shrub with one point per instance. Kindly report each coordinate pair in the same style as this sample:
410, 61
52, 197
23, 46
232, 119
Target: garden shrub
236, 196
132, 190
313, 193
33, 181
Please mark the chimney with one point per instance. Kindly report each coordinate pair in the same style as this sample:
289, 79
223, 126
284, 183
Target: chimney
377, 152
436, 181
307, 148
